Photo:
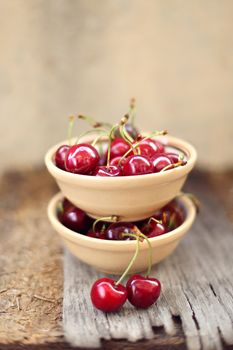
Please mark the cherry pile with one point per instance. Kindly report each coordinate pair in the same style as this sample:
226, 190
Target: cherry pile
125, 152
163, 221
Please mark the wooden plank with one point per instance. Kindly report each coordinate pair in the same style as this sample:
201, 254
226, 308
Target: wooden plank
197, 289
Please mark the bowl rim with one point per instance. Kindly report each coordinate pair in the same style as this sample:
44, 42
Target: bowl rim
102, 244
92, 181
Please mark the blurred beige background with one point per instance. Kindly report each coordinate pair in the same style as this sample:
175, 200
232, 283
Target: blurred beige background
60, 57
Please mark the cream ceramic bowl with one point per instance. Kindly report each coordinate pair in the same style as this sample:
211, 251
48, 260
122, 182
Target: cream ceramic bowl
113, 256
131, 198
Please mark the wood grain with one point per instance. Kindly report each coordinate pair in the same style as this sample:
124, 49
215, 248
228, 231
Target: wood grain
197, 287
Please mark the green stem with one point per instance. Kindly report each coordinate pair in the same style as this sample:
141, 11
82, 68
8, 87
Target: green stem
70, 128
125, 137
132, 261
98, 138
132, 110
90, 132
149, 254
93, 122
110, 141
155, 220
112, 218
172, 166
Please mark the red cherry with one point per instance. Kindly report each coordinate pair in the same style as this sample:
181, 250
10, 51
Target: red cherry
143, 292
153, 229
116, 230
66, 204
159, 162
119, 147
60, 156
96, 234
74, 218
150, 147
116, 160
82, 159
174, 157
137, 165
107, 296
111, 170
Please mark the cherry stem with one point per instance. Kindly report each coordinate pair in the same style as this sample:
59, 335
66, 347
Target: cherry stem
124, 134
132, 261
99, 137
172, 166
149, 253
90, 132
156, 133
70, 128
112, 218
122, 122
155, 220
132, 110
93, 122
110, 142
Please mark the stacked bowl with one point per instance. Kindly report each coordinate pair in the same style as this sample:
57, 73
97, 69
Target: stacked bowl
130, 198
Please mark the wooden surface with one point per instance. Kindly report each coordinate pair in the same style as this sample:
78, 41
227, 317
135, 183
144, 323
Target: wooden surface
31, 275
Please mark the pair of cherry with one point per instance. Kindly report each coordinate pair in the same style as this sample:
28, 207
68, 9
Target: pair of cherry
108, 295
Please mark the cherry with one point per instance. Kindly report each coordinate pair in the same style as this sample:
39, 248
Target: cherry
118, 147
117, 230
137, 165
160, 161
174, 157
153, 229
81, 158
60, 156
143, 291
150, 147
74, 218
66, 204
116, 160
108, 296
110, 171
96, 234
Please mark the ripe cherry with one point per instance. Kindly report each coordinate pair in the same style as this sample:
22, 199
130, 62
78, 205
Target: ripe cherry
110, 171
108, 296
116, 160
143, 291
81, 159
60, 156
150, 147
118, 147
137, 165
174, 157
117, 230
153, 229
159, 162
74, 218
96, 234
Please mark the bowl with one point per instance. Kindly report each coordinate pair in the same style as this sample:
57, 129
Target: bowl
113, 257
131, 198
